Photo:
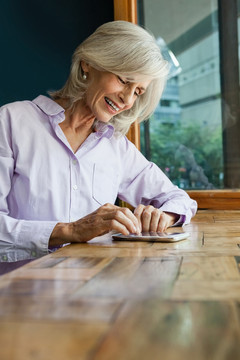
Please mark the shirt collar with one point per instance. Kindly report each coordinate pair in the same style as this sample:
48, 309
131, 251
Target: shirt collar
103, 129
48, 106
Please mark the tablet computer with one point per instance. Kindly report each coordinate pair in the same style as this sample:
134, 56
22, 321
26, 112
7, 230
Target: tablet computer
153, 236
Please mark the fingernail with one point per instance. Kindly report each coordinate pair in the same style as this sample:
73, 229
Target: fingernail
134, 229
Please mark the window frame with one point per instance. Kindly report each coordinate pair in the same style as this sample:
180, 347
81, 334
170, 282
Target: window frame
225, 199
127, 10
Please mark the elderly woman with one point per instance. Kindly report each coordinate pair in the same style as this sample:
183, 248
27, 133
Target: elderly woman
64, 160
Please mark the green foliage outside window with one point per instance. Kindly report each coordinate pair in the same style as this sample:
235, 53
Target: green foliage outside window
191, 156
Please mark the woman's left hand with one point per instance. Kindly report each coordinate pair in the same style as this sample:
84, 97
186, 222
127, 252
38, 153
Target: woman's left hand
153, 219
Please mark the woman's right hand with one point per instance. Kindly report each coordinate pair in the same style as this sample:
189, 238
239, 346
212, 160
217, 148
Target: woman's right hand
106, 218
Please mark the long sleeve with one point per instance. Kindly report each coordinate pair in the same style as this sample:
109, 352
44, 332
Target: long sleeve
144, 183
19, 238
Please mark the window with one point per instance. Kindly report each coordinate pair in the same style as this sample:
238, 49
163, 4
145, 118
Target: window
194, 133
220, 17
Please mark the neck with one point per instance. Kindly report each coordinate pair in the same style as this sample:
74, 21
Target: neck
78, 124
78, 116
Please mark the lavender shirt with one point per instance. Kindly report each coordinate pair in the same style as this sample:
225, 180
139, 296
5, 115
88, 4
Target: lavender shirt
43, 182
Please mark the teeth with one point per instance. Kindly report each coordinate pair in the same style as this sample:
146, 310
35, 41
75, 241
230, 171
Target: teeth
112, 104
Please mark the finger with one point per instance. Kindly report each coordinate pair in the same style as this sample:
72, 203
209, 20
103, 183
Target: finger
163, 223
156, 214
114, 225
109, 208
146, 218
138, 213
121, 218
131, 216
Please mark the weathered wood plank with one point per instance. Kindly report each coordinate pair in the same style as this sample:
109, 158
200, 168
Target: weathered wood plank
36, 288
209, 268
49, 340
16, 308
129, 300
173, 330
70, 272
206, 290
138, 278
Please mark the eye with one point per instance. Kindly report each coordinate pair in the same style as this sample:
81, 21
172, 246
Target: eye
121, 80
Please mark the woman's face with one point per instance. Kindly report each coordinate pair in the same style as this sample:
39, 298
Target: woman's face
108, 94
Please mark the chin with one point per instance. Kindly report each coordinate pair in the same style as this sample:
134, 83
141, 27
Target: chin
104, 119
103, 116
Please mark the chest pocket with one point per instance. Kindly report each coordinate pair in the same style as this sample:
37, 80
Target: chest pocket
104, 184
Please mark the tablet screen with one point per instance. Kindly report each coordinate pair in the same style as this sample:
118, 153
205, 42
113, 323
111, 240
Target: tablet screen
153, 236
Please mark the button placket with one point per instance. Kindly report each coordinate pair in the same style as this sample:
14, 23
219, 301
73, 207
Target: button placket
74, 166
74, 163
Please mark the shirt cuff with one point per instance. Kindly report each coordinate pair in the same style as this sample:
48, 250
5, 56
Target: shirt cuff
31, 241
181, 221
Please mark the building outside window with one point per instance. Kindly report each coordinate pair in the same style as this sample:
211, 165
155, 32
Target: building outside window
186, 134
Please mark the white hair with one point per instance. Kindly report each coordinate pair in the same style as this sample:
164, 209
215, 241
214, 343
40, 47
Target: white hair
125, 49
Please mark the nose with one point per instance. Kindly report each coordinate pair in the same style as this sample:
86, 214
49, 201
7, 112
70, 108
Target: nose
127, 96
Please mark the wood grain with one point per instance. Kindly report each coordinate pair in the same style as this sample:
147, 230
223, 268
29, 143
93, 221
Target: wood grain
129, 300
46, 341
216, 199
173, 330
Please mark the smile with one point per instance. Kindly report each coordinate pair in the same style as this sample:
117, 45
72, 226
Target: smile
113, 106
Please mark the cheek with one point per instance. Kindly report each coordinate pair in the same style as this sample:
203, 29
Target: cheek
92, 95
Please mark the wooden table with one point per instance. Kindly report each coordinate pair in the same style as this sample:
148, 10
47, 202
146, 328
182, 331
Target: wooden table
110, 300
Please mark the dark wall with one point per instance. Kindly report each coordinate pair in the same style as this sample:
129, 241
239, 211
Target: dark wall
37, 39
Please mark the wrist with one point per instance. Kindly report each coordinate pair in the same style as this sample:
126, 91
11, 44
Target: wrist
60, 235
174, 217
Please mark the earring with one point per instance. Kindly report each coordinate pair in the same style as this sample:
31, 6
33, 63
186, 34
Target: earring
84, 77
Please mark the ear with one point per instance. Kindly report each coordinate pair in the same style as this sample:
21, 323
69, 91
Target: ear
84, 66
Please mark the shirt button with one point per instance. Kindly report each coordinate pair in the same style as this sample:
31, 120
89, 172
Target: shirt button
75, 187
74, 162
4, 257
34, 254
